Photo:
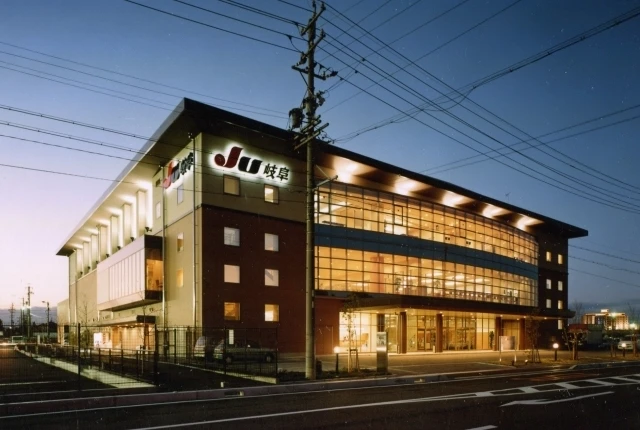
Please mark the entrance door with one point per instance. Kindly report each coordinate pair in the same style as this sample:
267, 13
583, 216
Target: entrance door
421, 339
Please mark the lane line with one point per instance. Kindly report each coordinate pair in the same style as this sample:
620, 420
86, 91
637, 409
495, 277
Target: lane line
484, 427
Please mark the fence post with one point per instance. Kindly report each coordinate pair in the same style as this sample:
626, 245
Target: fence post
99, 360
156, 356
175, 345
78, 358
121, 361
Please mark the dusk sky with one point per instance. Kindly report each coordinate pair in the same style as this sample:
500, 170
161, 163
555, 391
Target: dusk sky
557, 81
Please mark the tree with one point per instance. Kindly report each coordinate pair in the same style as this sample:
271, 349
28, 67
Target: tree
349, 307
578, 308
532, 331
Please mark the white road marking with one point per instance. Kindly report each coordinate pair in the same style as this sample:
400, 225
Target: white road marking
620, 378
601, 382
484, 428
566, 385
547, 402
528, 390
33, 383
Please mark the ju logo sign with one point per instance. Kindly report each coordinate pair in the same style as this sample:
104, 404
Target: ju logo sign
177, 169
251, 165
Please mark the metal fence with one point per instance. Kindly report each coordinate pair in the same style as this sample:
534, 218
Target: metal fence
174, 357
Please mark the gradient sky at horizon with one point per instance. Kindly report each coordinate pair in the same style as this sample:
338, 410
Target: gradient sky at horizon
101, 63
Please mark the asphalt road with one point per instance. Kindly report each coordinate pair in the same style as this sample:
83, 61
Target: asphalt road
524, 399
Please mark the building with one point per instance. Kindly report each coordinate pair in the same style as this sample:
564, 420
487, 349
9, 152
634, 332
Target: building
207, 229
608, 320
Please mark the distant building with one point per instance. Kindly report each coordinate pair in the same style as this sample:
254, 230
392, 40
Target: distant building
608, 320
207, 229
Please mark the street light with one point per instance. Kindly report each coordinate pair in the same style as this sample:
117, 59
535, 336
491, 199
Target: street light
336, 349
555, 351
624, 348
47, 303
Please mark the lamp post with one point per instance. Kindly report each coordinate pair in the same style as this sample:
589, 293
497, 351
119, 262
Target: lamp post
47, 303
336, 349
555, 351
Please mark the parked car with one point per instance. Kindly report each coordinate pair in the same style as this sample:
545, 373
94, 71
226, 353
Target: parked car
626, 343
212, 348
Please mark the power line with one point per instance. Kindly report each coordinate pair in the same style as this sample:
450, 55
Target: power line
211, 26
131, 77
608, 266
583, 183
605, 254
604, 277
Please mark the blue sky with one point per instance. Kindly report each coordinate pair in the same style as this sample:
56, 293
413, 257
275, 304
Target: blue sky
122, 66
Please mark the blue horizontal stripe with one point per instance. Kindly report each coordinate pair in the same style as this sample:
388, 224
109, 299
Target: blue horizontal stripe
363, 240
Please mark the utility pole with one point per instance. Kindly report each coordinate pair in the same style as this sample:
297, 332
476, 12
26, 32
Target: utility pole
29, 292
22, 318
12, 310
47, 303
308, 133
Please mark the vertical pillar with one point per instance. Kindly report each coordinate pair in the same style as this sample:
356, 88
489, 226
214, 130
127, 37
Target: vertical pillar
402, 335
141, 212
522, 334
496, 342
439, 329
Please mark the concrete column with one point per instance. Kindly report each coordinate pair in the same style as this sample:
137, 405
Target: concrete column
439, 332
498, 331
402, 325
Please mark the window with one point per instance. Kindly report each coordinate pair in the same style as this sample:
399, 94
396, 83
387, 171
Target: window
548, 303
158, 210
271, 312
560, 286
548, 255
231, 236
560, 304
180, 278
548, 284
231, 274
180, 193
231, 185
271, 277
231, 311
560, 259
560, 325
271, 194
271, 242
180, 242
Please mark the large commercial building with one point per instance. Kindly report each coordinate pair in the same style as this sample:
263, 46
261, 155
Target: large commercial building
207, 229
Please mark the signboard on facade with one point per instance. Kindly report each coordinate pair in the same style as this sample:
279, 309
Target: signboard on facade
507, 343
235, 160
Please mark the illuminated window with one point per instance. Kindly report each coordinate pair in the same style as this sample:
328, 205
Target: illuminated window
271, 312
560, 325
231, 311
158, 210
271, 242
180, 278
180, 242
560, 304
548, 255
231, 274
548, 284
180, 193
548, 303
560, 259
271, 194
231, 236
271, 277
232, 185
560, 286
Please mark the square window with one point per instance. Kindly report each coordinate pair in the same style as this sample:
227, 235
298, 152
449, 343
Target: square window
548, 303
271, 277
158, 210
232, 274
180, 193
560, 286
271, 242
231, 236
548, 255
231, 185
180, 278
560, 304
548, 284
560, 259
180, 242
272, 313
231, 311
271, 194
